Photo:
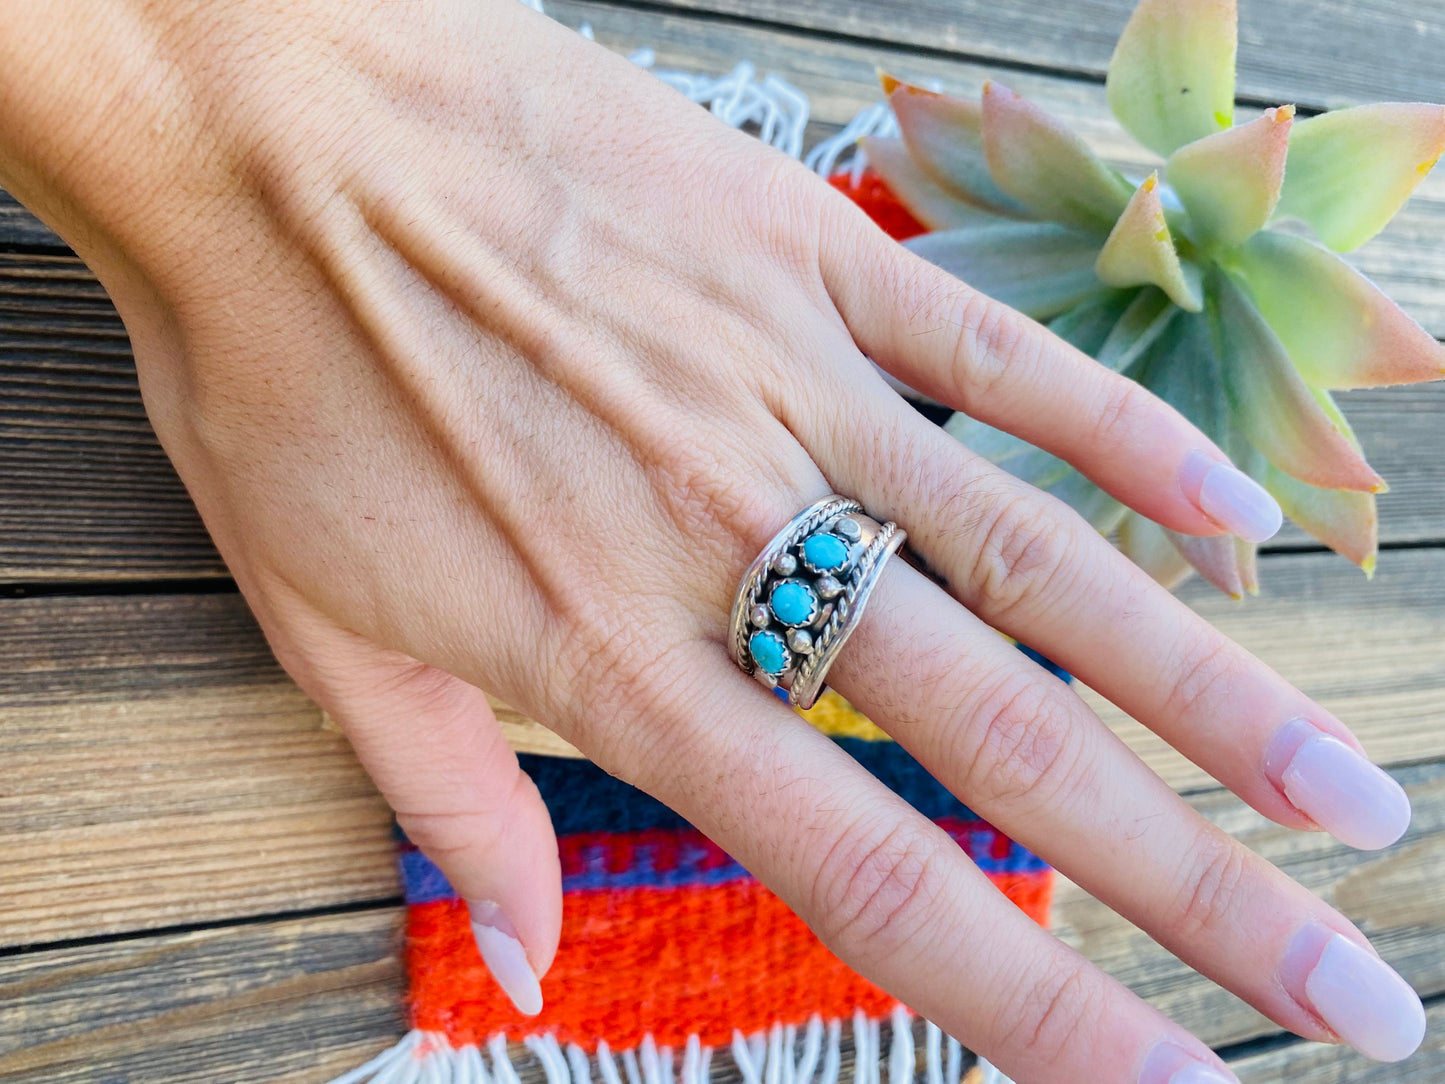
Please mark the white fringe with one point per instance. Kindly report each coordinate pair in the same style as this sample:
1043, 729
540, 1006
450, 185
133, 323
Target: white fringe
782, 1055
776, 108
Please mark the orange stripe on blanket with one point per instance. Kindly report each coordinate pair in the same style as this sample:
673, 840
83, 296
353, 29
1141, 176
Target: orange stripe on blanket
669, 962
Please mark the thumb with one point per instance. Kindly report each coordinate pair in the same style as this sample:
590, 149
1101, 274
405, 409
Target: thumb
432, 745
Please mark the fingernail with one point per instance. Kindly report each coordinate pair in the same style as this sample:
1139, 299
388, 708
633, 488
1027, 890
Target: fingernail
1230, 497
1358, 996
504, 956
1171, 1064
1334, 786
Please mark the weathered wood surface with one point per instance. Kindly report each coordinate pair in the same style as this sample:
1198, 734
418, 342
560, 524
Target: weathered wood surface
157, 767
298, 1000
1315, 54
85, 492
302, 999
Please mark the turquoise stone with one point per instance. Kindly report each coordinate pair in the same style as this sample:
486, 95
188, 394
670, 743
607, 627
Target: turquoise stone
825, 552
769, 651
794, 603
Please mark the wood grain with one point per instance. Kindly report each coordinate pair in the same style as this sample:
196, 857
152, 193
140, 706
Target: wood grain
1315, 54
1310, 1063
157, 768
297, 1000
302, 999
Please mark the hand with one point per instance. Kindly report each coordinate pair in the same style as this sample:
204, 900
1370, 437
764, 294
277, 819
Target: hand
487, 380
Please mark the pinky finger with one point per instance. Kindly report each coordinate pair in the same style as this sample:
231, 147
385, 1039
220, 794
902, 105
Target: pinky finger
432, 745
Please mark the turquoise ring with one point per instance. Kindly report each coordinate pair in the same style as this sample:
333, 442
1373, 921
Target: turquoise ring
803, 596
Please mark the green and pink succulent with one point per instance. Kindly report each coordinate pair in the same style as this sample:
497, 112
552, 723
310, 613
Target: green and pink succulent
1213, 281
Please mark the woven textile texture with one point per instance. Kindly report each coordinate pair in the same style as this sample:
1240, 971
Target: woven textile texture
668, 945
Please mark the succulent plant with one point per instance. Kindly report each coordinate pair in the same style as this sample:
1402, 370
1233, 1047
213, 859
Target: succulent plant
1213, 281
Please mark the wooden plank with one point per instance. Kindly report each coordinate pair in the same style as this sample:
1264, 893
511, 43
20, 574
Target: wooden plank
299, 1000
1297, 1062
85, 490
303, 999
19, 229
1316, 54
222, 795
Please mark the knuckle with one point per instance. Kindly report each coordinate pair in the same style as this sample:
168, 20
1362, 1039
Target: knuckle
1025, 548
1204, 680
698, 487
1018, 746
1123, 401
1209, 885
990, 344
614, 669
777, 204
873, 893
1057, 1014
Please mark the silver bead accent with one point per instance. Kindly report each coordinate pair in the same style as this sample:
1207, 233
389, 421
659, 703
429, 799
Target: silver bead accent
760, 616
785, 564
848, 528
800, 641
828, 587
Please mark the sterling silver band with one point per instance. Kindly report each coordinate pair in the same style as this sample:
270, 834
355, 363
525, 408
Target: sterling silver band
804, 594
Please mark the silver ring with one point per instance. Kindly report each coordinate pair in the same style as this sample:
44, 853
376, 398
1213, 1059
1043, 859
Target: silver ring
803, 596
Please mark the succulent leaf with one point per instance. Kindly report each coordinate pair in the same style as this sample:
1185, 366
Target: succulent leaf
1047, 168
1146, 544
1340, 330
925, 199
1182, 367
1171, 80
1088, 325
1345, 521
1101, 511
1039, 469
1349, 171
1272, 406
944, 135
1137, 329
1247, 554
1216, 559
1140, 251
1004, 450
1230, 181
1040, 268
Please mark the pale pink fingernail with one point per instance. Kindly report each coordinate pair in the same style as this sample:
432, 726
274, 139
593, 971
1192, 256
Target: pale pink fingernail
1358, 996
1171, 1064
1230, 497
504, 956
1337, 788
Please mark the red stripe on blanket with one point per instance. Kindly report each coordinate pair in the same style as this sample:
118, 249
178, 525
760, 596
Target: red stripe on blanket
669, 962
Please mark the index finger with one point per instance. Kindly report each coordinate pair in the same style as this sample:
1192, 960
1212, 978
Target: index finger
958, 346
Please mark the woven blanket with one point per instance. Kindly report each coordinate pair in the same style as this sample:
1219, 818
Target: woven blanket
671, 951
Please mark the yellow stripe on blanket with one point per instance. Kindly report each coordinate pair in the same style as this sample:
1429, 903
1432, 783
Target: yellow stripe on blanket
837, 718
